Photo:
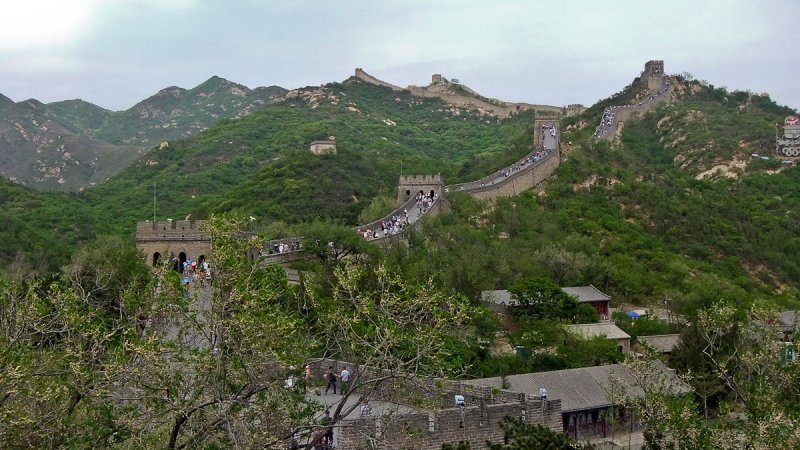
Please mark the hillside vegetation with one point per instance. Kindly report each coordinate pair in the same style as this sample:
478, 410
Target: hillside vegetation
260, 164
634, 217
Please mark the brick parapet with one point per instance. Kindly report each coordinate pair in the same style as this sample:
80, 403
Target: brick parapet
429, 430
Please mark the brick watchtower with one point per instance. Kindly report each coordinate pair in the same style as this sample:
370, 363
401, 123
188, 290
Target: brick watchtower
653, 73
409, 185
167, 240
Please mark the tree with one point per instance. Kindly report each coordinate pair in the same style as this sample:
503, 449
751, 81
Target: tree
213, 373
398, 335
331, 243
543, 299
745, 352
63, 340
99, 356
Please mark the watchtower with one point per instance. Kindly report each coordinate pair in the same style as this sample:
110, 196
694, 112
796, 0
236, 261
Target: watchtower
166, 241
410, 185
653, 73
324, 146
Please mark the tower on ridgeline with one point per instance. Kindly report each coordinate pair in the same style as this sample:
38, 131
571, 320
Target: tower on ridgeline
653, 73
324, 146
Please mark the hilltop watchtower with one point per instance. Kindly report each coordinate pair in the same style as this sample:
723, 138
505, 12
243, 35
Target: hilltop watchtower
324, 146
653, 73
410, 185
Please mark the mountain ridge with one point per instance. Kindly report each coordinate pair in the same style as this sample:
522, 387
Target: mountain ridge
34, 136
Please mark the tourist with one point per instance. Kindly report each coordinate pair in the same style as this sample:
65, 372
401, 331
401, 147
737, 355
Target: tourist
345, 377
331, 377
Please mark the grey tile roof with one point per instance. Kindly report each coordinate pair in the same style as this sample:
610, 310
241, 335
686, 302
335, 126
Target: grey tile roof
590, 330
580, 389
788, 320
664, 343
498, 297
586, 294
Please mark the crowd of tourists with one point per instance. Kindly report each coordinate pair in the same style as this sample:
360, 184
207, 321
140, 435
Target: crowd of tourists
399, 220
607, 121
191, 270
277, 247
531, 158
388, 227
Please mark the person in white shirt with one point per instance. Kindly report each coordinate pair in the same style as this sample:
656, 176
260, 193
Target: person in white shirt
344, 377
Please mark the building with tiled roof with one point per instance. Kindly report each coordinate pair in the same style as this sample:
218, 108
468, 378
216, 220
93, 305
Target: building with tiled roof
584, 393
663, 343
609, 330
592, 296
502, 298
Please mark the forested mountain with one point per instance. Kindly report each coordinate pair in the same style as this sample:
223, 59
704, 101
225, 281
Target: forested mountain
633, 217
73, 144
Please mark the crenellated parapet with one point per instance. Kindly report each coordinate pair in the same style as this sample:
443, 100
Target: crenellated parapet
154, 230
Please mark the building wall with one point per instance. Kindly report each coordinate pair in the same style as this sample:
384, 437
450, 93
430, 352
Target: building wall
602, 309
625, 343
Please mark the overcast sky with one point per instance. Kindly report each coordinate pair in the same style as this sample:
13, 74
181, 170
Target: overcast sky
117, 52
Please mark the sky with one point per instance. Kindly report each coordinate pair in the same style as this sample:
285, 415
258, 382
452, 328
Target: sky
115, 53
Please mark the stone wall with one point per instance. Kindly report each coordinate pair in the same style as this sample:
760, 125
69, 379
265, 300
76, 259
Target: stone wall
521, 181
323, 147
439, 89
475, 423
364, 76
622, 115
574, 110
429, 430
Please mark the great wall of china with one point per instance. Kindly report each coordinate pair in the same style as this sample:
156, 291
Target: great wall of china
659, 90
459, 95
476, 420
187, 240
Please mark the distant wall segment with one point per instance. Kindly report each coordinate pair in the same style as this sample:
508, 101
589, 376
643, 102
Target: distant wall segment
186, 239
439, 89
364, 76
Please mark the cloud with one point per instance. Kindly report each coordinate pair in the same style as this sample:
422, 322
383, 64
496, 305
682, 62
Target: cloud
42, 23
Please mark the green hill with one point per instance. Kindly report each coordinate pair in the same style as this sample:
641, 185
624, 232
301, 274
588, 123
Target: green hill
260, 164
